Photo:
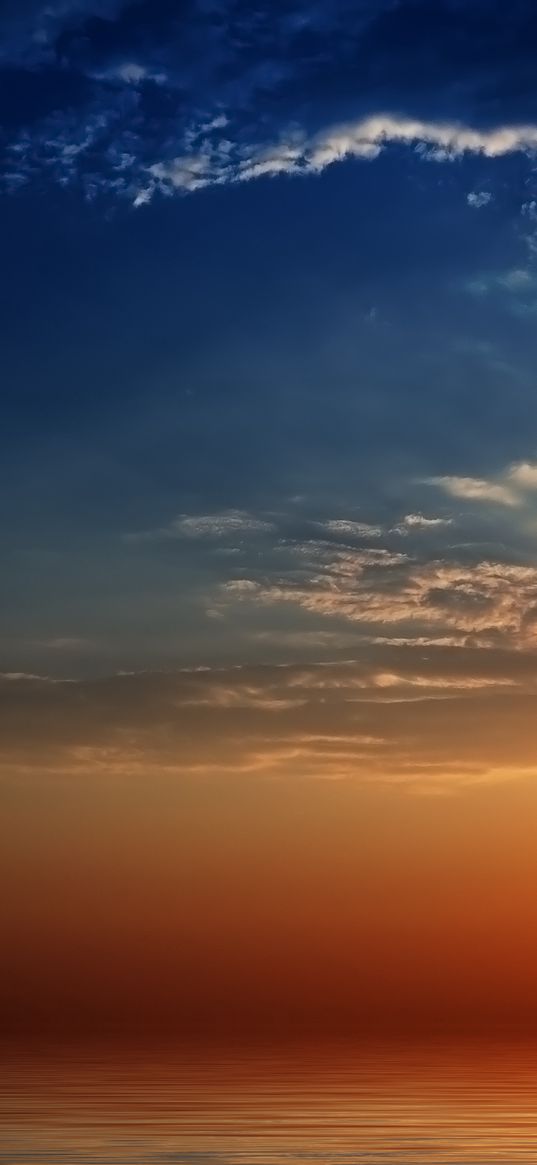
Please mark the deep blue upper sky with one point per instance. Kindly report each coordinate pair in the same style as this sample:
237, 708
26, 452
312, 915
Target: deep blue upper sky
269, 293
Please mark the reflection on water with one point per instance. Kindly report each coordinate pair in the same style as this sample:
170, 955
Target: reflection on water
396, 1107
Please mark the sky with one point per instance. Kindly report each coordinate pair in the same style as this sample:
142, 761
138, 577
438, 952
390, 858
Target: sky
268, 617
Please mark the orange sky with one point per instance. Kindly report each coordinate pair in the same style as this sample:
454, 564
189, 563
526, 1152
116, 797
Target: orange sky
150, 900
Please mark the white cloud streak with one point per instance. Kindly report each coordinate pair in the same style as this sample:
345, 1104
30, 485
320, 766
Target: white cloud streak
219, 162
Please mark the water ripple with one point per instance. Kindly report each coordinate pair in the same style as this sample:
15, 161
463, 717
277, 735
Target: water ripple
374, 1106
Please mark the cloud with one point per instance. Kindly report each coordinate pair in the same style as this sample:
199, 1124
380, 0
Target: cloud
350, 529
524, 476
228, 524
447, 140
354, 583
420, 522
297, 153
476, 489
519, 279
439, 683
510, 488
479, 198
517, 283
492, 601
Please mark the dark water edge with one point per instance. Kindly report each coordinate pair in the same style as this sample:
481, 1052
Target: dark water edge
376, 1105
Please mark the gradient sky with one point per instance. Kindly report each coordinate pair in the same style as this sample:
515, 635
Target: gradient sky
268, 497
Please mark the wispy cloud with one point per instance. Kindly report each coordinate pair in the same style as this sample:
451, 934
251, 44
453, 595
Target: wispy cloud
510, 488
477, 199
477, 489
419, 522
351, 529
516, 283
228, 524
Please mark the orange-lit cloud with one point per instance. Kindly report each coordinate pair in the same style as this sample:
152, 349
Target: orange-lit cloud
489, 601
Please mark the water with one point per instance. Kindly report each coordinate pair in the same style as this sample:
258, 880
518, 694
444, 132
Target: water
375, 1106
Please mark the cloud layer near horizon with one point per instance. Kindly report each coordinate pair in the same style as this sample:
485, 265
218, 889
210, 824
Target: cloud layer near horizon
434, 718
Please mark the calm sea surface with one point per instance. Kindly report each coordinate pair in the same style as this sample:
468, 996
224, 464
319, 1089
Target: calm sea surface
332, 1105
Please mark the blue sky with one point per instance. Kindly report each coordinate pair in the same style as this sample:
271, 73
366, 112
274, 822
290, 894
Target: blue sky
269, 300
